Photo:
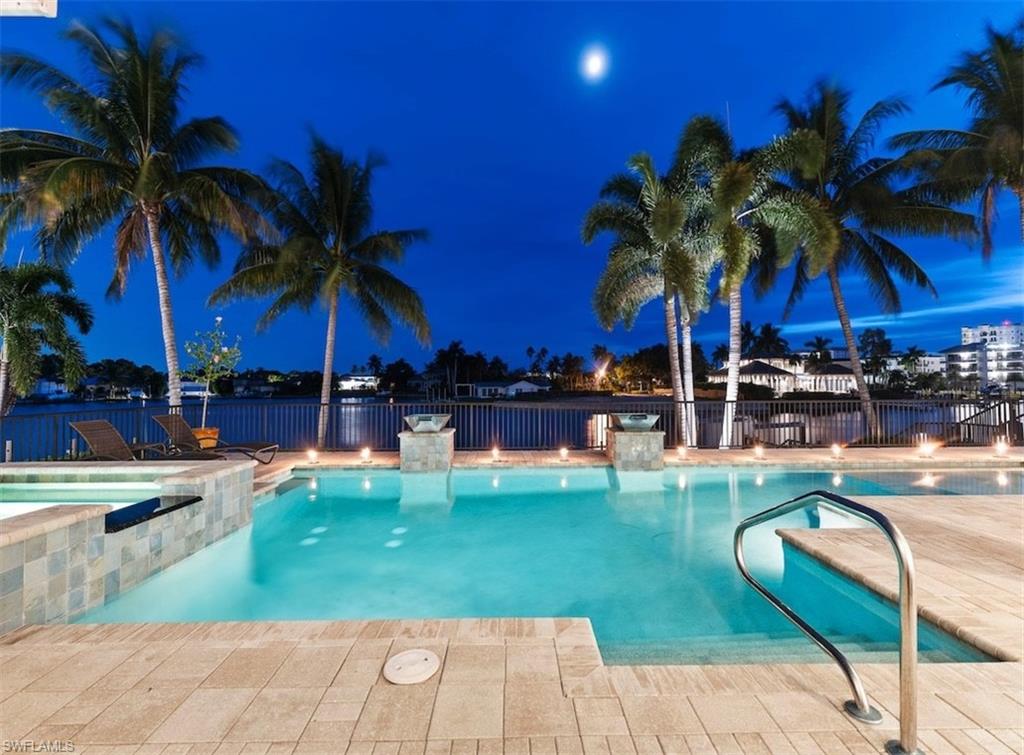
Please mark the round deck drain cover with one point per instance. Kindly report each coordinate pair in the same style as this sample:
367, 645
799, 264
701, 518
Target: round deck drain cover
411, 667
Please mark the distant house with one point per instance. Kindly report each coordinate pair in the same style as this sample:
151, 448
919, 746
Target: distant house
192, 389
51, 390
362, 382
507, 388
827, 378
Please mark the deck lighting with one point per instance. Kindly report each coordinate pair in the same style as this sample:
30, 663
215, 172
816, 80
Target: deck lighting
1002, 480
926, 449
1002, 447
312, 456
365, 455
759, 452
837, 451
681, 452
495, 455
837, 480
563, 452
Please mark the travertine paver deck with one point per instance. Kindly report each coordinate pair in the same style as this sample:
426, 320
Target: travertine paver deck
530, 685
513, 686
969, 552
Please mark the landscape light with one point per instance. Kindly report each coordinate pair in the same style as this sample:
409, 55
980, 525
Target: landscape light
365, 455
926, 449
681, 452
1002, 447
313, 456
495, 454
1002, 480
564, 453
837, 451
759, 452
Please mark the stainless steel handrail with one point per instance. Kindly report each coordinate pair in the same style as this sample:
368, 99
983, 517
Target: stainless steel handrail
859, 707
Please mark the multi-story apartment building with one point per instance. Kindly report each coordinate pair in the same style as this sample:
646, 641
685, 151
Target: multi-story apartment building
994, 354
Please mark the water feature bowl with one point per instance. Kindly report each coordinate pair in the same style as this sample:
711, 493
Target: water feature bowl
427, 423
634, 423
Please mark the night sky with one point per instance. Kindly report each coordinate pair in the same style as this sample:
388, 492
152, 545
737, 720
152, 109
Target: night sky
497, 145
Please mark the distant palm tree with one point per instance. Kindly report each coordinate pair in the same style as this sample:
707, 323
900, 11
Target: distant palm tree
721, 354
866, 200
329, 249
910, 359
752, 213
987, 156
748, 339
768, 342
820, 352
129, 160
36, 302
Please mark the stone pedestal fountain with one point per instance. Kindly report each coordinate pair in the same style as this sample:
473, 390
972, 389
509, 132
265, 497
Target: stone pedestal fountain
427, 446
633, 443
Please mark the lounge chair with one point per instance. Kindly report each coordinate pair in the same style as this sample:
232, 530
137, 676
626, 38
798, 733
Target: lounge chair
181, 438
107, 444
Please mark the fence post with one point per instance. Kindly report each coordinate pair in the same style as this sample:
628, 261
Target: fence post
9, 450
55, 429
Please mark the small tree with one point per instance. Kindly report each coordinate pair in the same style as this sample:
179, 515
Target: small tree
212, 359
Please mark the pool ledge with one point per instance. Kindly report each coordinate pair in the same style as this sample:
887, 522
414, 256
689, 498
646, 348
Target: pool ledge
31, 524
953, 594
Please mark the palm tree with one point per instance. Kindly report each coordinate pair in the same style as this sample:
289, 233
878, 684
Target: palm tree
820, 352
36, 302
720, 355
129, 160
328, 250
768, 342
987, 156
751, 213
910, 360
865, 199
647, 259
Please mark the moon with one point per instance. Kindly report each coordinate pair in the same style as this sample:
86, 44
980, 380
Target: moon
594, 63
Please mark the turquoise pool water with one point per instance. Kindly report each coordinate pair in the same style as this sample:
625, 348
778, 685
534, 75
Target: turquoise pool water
647, 557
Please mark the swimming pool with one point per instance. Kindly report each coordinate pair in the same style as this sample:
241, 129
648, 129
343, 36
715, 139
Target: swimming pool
21, 497
646, 556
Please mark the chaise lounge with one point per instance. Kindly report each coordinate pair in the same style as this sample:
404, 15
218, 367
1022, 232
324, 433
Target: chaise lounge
181, 438
107, 444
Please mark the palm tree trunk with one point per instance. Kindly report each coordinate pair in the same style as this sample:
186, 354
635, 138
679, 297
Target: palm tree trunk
672, 340
851, 347
732, 381
163, 295
690, 426
5, 372
325, 384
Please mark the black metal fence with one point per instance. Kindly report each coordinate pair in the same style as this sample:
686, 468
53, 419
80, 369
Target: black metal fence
542, 424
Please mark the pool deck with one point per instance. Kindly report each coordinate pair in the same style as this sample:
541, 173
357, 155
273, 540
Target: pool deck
539, 685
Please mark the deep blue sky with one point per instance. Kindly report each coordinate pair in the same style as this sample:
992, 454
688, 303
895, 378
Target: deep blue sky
497, 146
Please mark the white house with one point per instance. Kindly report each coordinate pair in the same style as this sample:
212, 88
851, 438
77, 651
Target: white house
508, 388
827, 378
352, 382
